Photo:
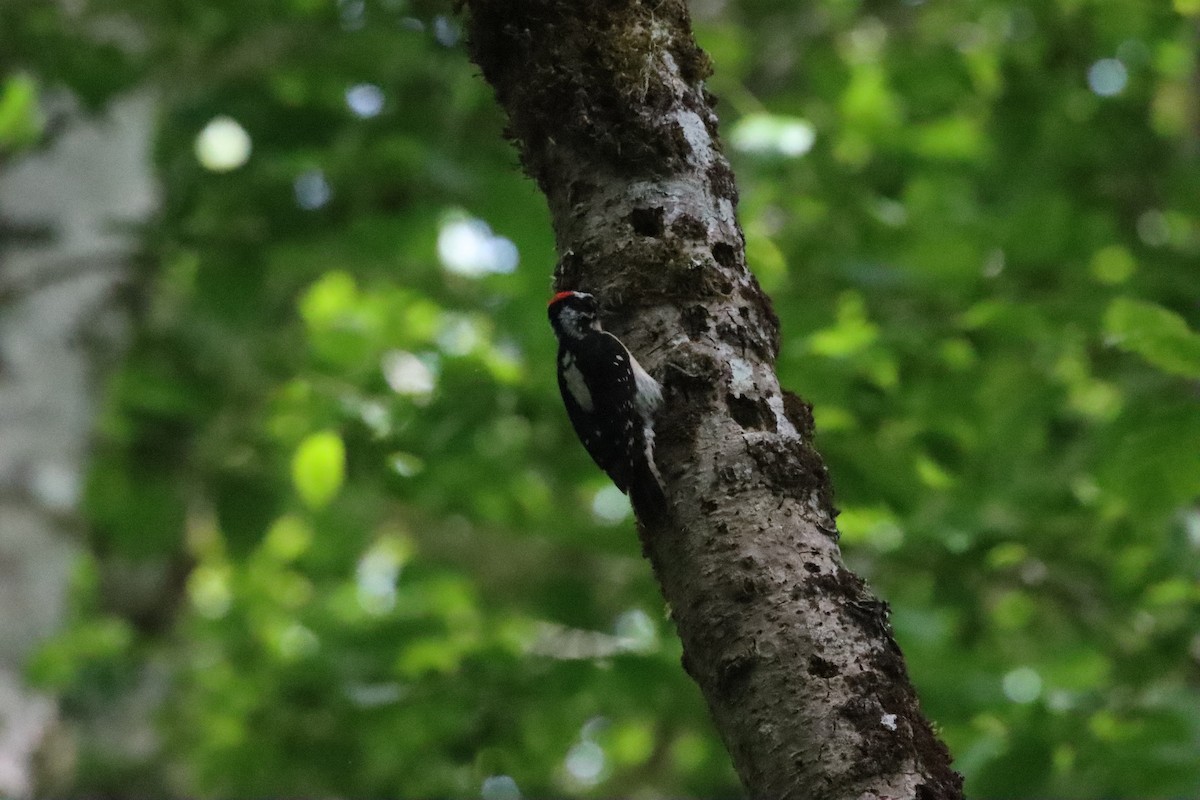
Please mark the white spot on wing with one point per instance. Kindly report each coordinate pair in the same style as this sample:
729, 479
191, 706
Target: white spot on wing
577, 386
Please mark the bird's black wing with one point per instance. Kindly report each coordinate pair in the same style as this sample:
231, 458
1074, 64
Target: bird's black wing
611, 429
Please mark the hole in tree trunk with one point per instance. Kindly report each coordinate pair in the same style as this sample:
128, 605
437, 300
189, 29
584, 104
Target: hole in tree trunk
647, 221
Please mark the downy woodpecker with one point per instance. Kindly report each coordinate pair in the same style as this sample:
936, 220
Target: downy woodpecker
610, 399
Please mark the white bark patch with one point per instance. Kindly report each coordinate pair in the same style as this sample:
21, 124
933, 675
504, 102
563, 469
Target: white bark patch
694, 129
741, 381
696, 134
888, 721
782, 423
818, 511
726, 211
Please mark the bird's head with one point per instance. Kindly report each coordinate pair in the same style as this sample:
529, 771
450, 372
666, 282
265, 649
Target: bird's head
572, 314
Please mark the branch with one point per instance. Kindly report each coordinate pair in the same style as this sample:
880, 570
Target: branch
794, 656
55, 273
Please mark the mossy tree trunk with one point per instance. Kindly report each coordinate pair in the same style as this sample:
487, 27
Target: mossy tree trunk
793, 654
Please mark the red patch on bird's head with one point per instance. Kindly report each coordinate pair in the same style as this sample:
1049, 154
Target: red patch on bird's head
560, 296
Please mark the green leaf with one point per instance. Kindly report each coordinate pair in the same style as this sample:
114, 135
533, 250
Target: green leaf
246, 504
61, 660
1158, 335
868, 102
137, 509
21, 120
1113, 264
853, 333
958, 138
328, 301
319, 468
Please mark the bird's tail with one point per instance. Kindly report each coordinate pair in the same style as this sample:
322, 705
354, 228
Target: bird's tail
646, 487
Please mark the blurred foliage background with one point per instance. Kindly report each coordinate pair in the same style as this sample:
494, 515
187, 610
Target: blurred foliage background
340, 532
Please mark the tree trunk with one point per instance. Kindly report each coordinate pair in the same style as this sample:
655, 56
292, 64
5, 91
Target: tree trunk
61, 328
793, 654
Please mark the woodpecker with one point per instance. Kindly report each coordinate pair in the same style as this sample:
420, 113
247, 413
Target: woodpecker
610, 399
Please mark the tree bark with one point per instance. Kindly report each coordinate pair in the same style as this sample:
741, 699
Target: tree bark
61, 328
794, 655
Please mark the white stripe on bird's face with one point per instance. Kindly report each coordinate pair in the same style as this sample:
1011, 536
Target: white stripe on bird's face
575, 323
575, 383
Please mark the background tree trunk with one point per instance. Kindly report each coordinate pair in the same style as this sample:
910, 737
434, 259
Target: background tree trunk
61, 327
794, 656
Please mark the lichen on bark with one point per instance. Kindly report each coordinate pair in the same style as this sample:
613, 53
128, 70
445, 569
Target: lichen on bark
795, 657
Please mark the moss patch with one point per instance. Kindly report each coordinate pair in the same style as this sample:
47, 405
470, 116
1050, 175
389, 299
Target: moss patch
688, 227
793, 469
721, 182
578, 75
799, 413
689, 384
